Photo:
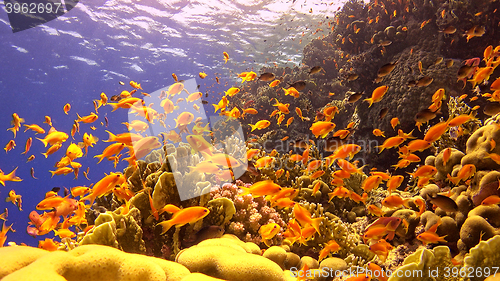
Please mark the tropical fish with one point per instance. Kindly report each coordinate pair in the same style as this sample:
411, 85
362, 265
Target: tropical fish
184, 216
386, 69
354, 97
391, 142
315, 70
322, 128
87, 119
304, 217
267, 77
34, 127
67, 108
331, 247
261, 188
262, 124
268, 231
16, 122
377, 95
291, 92
9, 146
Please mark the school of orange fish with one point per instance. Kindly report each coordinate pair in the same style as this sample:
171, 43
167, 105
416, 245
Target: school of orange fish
62, 213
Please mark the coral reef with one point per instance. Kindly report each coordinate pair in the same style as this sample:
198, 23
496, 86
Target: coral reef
117, 230
426, 264
483, 259
230, 259
251, 213
88, 262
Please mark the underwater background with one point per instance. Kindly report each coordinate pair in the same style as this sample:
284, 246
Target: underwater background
317, 134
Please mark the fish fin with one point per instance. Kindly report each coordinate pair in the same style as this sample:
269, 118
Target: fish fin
165, 226
44, 142
316, 222
112, 137
13, 130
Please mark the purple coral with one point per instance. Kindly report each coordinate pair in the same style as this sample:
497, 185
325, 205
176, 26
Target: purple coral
251, 213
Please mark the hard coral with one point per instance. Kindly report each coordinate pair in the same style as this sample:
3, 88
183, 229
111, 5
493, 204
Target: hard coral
251, 213
89, 262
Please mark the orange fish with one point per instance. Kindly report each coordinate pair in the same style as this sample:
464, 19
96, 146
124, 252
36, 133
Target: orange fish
16, 122
15, 199
3, 233
394, 182
104, 186
322, 128
381, 248
9, 146
262, 124
431, 238
395, 201
465, 173
394, 122
375, 211
261, 188
67, 108
356, 198
436, 131
426, 171
268, 231
340, 192
87, 119
349, 167
446, 155
304, 217
34, 127
418, 145
184, 216
331, 247
54, 137
371, 183
391, 142
377, 94
491, 200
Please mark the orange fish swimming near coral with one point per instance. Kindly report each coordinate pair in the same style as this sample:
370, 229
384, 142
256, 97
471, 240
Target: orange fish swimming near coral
183, 217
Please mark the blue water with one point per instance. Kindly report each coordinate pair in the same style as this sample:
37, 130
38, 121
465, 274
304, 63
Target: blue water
98, 43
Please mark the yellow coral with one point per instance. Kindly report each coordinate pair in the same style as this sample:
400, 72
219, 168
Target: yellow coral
89, 262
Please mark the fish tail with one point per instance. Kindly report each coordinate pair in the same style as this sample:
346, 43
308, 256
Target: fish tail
112, 137
12, 176
100, 156
253, 127
89, 197
381, 148
315, 223
441, 239
369, 100
114, 106
44, 143
165, 226
245, 191
13, 130
454, 180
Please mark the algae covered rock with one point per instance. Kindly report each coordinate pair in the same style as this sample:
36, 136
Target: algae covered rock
88, 262
488, 185
443, 170
478, 147
425, 265
118, 231
484, 257
229, 259
473, 230
221, 210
